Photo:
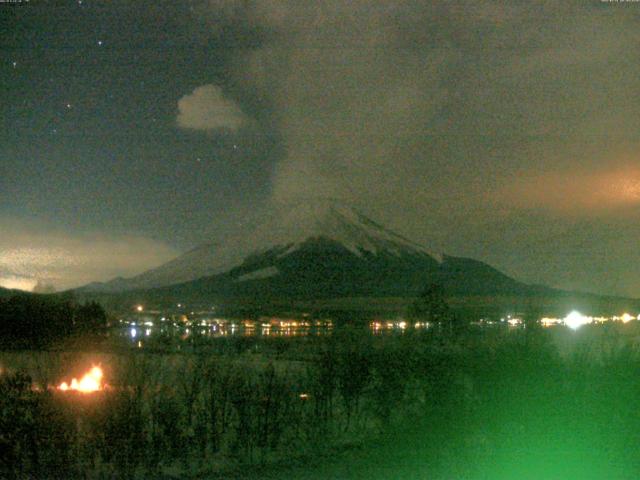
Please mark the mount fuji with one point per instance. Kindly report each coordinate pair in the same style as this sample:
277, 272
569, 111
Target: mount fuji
316, 250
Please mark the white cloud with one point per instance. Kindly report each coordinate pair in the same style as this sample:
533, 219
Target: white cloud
206, 108
32, 254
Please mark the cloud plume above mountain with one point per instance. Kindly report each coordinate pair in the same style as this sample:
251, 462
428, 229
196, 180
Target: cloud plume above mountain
473, 112
412, 97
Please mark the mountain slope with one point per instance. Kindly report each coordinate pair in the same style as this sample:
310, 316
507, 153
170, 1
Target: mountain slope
329, 256
316, 251
286, 231
322, 268
332, 251
5, 292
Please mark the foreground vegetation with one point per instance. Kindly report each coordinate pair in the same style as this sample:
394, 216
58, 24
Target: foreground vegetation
481, 404
39, 321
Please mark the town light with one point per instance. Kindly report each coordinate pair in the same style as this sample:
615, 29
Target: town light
575, 320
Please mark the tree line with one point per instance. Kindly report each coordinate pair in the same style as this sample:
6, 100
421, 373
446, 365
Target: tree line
38, 321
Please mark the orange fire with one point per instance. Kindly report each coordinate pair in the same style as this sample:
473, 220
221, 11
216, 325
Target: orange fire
91, 382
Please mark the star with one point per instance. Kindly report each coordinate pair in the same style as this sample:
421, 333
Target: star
15, 64
99, 43
68, 106
235, 147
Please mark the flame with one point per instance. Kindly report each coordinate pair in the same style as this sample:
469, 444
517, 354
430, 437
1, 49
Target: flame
91, 382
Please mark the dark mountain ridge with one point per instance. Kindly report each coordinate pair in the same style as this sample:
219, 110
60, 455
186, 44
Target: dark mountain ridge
314, 255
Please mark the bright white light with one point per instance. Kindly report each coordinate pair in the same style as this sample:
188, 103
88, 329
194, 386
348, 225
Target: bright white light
575, 320
626, 318
133, 333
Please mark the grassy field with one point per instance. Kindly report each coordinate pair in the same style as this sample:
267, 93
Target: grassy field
483, 404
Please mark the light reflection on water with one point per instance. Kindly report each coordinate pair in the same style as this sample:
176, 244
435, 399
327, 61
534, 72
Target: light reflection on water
137, 330
251, 328
256, 329
134, 333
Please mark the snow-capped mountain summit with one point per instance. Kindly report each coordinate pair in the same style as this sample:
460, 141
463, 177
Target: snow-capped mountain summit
293, 225
314, 250
287, 230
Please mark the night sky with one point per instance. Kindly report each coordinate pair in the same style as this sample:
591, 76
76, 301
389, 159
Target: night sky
506, 131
